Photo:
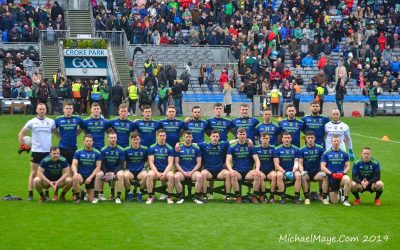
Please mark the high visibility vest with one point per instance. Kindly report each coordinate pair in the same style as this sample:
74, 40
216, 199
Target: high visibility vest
320, 93
133, 93
76, 90
274, 96
95, 94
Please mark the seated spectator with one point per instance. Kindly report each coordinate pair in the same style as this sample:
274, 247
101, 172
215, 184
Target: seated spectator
307, 61
395, 66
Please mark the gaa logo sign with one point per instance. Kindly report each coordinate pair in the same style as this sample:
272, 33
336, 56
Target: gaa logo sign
82, 62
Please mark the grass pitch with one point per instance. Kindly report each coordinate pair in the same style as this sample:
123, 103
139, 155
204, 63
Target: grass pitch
216, 225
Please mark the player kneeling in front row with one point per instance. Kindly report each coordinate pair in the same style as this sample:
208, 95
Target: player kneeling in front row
239, 162
136, 156
310, 165
265, 153
53, 172
161, 161
188, 163
85, 166
367, 177
111, 170
335, 163
286, 160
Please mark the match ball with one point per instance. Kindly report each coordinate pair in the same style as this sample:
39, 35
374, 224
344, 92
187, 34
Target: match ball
27, 140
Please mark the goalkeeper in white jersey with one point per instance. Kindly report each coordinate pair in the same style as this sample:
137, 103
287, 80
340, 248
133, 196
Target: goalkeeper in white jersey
337, 127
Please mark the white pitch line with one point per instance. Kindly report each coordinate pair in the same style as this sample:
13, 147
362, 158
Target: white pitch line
376, 138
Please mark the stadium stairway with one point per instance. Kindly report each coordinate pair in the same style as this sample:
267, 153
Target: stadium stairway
80, 22
122, 66
50, 59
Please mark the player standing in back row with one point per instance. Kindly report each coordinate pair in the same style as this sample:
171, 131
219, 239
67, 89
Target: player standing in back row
337, 127
41, 128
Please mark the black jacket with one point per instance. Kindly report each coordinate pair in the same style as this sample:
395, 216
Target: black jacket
117, 93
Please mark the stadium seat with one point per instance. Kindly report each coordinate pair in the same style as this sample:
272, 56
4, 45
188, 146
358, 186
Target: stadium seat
389, 107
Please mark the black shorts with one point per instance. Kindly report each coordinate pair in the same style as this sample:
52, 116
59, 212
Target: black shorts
243, 174
312, 175
91, 184
135, 174
214, 173
334, 185
368, 188
266, 172
37, 157
67, 154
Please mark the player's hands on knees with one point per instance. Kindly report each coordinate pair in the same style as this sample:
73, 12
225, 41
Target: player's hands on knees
161, 176
88, 180
256, 172
187, 174
75, 176
364, 183
232, 173
55, 185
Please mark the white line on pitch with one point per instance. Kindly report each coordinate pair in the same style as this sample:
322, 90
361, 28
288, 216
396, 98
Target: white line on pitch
376, 138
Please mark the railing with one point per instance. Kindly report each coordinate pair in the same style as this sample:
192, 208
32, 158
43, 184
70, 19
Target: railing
115, 73
61, 57
116, 38
52, 37
91, 16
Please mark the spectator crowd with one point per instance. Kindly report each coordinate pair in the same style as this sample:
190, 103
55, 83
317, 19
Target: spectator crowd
23, 22
270, 42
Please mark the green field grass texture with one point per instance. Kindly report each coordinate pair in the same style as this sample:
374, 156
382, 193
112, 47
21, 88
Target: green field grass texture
216, 225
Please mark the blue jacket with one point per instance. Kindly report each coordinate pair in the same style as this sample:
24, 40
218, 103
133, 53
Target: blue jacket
395, 66
307, 62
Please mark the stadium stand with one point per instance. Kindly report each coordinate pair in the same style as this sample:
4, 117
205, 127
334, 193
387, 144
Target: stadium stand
249, 40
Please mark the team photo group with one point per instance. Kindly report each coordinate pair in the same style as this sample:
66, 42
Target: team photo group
265, 157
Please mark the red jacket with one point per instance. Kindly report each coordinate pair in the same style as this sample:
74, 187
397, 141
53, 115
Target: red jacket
223, 78
286, 74
322, 62
273, 75
164, 40
382, 42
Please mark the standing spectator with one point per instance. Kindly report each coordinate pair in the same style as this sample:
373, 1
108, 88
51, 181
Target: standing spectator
372, 92
163, 99
296, 96
287, 96
319, 94
133, 96
275, 96
43, 92
340, 94
53, 92
203, 70
86, 86
77, 96
177, 96
227, 91
105, 98
223, 78
117, 95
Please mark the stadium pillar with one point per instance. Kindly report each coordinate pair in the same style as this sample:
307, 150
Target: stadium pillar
256, 105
